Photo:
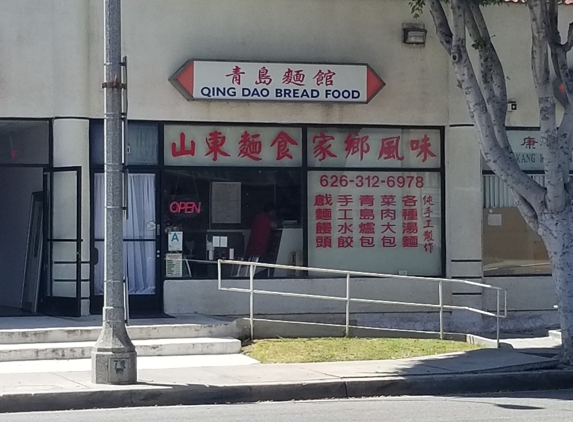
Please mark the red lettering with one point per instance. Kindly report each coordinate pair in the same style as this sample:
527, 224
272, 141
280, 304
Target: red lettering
388, 242
236, 75
423, 147
324, 78
183, 207
345, 242
182, 147
323, 200
388, 227
366, 228
344, 200
366, 200
264, 77
355, 144
390, 149
323, 228
250, 146
345, 228
322, 145
294, 77
367, 242
409, 201
410, 242
324, 242
410, 214
215, 143
283, 142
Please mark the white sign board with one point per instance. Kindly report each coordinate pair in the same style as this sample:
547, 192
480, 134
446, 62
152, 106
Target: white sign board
175, 241
382, 222
527, 146
294, 82
222, 145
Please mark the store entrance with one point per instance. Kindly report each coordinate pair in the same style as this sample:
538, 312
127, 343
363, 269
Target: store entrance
24, 156
21, 234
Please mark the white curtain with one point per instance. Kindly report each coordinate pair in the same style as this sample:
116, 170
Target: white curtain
139, 256
496, 194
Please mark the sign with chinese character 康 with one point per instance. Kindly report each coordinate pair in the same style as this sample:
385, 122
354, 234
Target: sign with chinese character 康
232, 145
383, 222
290, 82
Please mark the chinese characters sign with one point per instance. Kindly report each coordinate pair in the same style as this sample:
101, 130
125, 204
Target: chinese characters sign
376, 222
527, 146
291, 82
232, 146
374, 147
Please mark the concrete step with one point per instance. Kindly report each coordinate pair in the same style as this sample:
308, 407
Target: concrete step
150, 347
136, 332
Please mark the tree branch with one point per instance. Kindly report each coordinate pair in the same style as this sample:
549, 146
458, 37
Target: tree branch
558, 50
527, 211
500, 160
491, 71
497, 73
441, 22
555, 158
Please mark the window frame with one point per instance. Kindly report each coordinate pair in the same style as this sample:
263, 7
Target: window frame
160, 168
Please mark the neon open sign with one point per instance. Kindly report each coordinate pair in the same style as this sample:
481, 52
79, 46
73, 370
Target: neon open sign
185, 206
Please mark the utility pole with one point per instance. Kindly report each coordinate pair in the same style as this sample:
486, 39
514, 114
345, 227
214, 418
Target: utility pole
114, 360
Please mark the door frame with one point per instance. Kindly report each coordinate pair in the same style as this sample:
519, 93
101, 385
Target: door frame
138, 304
57, 305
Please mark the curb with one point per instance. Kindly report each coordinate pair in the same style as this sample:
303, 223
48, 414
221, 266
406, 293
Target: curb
337, 389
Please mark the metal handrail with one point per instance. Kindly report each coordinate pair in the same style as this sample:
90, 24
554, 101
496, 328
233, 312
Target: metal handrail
348, 298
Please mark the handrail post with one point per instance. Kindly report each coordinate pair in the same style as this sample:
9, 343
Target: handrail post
251, 299
441, 293
505, 303
497, 320
347, 333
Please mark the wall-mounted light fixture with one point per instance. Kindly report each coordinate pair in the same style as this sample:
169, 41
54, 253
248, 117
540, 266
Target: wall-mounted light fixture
414, 33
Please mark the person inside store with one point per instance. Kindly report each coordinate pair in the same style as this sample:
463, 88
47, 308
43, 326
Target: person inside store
259, 244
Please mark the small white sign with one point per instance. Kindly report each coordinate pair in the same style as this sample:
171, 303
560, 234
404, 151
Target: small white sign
175, 242
494, 220
173, 265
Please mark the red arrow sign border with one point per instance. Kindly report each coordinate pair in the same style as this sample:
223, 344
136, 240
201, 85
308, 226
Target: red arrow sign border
186, 73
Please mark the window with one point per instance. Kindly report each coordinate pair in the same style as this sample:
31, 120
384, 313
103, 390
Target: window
510, 247
24, 142
232, 192
140, 234
373, 220
141, 148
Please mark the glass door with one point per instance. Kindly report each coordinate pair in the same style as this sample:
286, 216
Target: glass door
140, 234
61, 293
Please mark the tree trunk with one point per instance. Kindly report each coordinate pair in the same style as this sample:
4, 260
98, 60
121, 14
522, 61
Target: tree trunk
556, 230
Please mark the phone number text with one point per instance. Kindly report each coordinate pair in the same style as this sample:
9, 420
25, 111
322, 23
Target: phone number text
371, 181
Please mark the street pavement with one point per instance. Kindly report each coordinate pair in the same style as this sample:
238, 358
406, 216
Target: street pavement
186, 380
547, 406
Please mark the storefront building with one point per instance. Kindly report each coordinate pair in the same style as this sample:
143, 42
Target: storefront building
247, 108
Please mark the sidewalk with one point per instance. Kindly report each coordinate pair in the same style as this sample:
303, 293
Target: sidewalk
184, 380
